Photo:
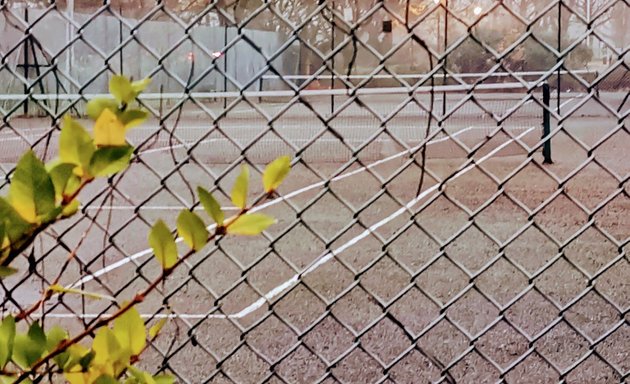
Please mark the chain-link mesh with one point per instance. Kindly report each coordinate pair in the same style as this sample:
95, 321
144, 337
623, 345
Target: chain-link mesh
420, 237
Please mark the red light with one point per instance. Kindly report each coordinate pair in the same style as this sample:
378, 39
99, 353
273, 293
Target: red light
217, 54
190, 56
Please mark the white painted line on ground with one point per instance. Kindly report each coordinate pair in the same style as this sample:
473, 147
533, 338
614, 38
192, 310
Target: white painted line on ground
294, 193
288, 196
328, 256
325, 257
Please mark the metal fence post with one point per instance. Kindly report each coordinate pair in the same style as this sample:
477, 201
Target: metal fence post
546, 125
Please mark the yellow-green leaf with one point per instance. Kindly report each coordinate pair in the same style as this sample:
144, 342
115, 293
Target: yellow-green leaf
276, 172
192, 230
241, 185
97, 105
141, 377
70, 208
54, 337
106, 379
61, 289
120, 87
108, 161
71, 356
163, 245
211, 206
156, 328
7, 271
130, 332
60, 174
7, 335
15, 225
133, 117
106, 346
32, 192
75, 144
140, 85
73, 185
109, 131
250, 224
164, 379
8, 379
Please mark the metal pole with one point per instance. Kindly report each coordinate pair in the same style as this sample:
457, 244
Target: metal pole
70, 33
559, 82
26, 61
120, 39
445, 48
332, 48
225, 65
546, 125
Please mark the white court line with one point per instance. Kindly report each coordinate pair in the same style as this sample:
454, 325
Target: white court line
324, 258
295, 193
288, 196
170, 147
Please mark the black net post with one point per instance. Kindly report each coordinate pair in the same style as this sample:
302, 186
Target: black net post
546, 125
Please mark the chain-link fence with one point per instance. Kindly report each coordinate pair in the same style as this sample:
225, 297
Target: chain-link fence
458, 208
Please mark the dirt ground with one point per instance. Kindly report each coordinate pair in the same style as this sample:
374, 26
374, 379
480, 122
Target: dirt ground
514, 271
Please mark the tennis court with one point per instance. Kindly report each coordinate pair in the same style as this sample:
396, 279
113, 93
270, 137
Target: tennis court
362, 278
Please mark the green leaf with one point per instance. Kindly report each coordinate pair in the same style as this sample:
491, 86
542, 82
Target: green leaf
241, 185
15, 225
108, 161
130, 332
60, 174
120, 87
7, 336
154, 331
250, 224
192, 230
133, 117
163, 245
109, 131
37, 335
86, 360
105, 379
32, 192
5, 244
96, 106
29, 348
141, 85
75, 144
54, 337
211, 206
276, 172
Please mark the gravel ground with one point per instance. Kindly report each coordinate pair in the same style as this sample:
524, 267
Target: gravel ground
533, 287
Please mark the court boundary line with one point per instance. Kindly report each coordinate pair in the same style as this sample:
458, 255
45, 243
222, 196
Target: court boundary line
337, 178
321, 260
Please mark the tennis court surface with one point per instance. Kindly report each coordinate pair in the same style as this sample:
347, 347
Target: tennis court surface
438, 224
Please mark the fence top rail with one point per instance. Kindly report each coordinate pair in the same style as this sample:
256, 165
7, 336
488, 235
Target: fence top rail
420, 75
290, 93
